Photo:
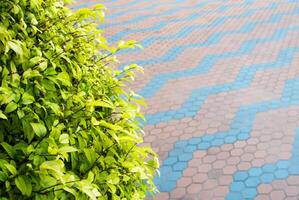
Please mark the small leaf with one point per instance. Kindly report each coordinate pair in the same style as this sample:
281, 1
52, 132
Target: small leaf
94, 121
20, 113
39, 129
29, 73
64, 78
9, 149
27, 99
32, 19
11, 168
15, 9
64, 139
91, 192
15, 46
112, 187
12, 106
90, 177
3, 176
113, 179
109, 125
53, 165
90, 155
24, 185
100, 103
2, 116
54, 107
27, 129
67, 149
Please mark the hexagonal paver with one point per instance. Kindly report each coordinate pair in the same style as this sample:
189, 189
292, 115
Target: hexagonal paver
221, 82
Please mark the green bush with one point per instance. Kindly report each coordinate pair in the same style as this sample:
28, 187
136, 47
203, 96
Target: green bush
69, 125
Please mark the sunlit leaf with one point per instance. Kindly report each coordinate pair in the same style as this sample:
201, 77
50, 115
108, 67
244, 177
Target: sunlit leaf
39, 129
24, 185
16, 46
2, 116
12, 106
11, 168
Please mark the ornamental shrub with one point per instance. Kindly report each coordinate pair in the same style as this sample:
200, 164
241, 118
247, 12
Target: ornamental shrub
69, 124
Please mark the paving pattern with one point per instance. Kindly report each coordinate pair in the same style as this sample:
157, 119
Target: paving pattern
222, 85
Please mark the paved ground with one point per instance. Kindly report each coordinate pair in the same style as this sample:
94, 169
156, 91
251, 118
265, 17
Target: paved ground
222, 83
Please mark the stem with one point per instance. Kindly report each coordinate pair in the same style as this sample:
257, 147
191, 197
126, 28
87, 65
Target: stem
94, 164
52, 186
130, 151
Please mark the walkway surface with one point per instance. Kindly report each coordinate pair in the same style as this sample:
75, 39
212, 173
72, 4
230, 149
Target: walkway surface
222, 84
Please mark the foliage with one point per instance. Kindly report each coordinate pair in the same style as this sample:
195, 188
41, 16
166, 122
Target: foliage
69, 125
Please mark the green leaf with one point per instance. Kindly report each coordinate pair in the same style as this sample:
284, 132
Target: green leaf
20, 113
113, 179
109, 125
55, 165
70, 190
27, 99
39, 129
102, 103
94, 121
2, 116
12, 106
47, 180
91, 192
90, 177
24, 185
112, 188
64, 139
32, 19
67, 149
11, 168
90, 155
15, 9
54, 107
3, 176
64, 78
29, 133
9, 149
15, 45
29, 73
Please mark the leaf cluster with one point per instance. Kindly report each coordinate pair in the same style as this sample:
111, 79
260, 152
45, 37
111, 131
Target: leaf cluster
69, 124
